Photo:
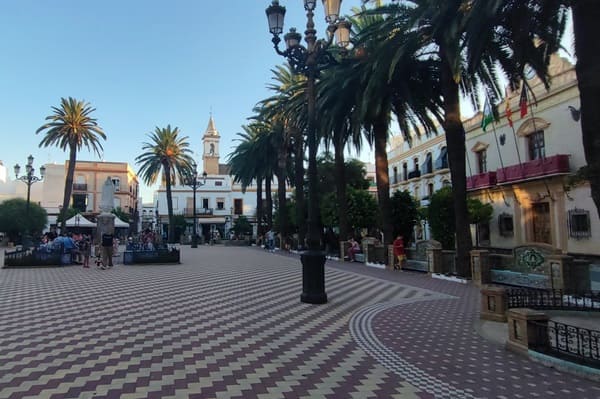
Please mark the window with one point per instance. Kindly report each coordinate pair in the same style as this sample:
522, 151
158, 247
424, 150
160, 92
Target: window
220, 203
429, 190
481, 161
405, 171
238, 206
117, 183
579, 224
505, 225
395, 174
428, 163
205, 203
442, 160
218, 183
536, 144
80, 202
416, 164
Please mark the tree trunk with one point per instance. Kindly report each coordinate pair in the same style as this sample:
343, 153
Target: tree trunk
171, 238
281, 198
455, 141
380, 130
299, 183
68, 187
340, 171
269, 199
586, 14
259, 208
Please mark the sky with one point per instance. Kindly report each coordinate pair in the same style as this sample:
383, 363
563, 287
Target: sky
141, 64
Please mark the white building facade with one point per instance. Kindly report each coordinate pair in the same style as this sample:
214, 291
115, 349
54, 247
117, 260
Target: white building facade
219, 201
525, 171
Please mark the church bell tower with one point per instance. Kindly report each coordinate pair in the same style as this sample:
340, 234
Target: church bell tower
210, 154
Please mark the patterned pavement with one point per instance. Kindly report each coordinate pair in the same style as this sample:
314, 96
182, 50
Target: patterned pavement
228, 323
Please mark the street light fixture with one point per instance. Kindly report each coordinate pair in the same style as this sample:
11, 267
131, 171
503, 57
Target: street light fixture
192, 181
29, 178
310, 60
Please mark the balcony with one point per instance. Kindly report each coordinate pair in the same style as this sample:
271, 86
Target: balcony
189, 212
413, 174
79, 187
482, 180
554, 165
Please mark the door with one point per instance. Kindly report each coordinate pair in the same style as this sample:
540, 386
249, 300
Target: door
541, 222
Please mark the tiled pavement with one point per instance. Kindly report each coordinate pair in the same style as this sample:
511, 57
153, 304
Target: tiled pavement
228, 323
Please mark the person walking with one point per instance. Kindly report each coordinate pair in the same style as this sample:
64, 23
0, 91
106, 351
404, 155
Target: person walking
107, 250
399, 254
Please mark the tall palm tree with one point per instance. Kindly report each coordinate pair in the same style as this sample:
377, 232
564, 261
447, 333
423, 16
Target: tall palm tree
288, 105
376, 93
71, 127
468, 40
169, 153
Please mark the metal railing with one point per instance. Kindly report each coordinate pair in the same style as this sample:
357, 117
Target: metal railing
576, 344
553, 299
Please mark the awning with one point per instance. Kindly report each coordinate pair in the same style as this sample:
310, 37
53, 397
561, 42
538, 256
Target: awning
211, 220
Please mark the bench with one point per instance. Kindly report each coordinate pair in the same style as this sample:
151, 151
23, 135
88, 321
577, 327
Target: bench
39, 256
158, 256
533, 265
416, 258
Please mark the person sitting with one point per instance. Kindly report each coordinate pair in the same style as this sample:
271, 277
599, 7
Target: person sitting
353, 249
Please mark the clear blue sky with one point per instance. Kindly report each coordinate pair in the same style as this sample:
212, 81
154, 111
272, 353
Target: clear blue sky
140, 63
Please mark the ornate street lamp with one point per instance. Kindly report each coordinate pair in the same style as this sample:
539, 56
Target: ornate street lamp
29, 178
193, 182
310, 60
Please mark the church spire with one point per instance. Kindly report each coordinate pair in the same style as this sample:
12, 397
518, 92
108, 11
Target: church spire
211, 130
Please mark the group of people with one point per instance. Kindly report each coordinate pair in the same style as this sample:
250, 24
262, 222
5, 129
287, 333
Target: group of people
77, 248
398, 246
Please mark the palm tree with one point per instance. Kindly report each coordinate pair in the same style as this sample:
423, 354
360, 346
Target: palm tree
468, 39
251, 160
288, 105
71, 127
168, 153
375, 93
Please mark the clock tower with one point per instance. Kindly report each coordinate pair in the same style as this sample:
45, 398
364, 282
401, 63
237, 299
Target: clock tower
210, 153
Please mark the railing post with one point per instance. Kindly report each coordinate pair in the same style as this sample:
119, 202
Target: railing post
568, 275
434, 260
493, 303
480, 266
391, 258
527, 328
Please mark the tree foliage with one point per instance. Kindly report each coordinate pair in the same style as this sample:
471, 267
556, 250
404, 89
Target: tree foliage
121, 214
241, 226
441, 217
71, 128
15, 222
404, 213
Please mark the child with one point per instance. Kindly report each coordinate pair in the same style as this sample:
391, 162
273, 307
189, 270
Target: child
399, 252
86, 250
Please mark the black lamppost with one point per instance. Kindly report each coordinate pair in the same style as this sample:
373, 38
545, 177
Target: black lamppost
193, 182
309, 61
29, 178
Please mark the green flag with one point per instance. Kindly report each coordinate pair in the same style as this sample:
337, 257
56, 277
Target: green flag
488, 114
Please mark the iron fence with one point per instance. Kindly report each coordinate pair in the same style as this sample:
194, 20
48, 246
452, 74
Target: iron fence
553, 299
576, 344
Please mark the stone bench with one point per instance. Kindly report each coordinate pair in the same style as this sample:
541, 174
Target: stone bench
156, 256
425, 257
533, 265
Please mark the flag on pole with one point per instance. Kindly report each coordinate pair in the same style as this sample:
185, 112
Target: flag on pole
508, 110
523, 101
488, 114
